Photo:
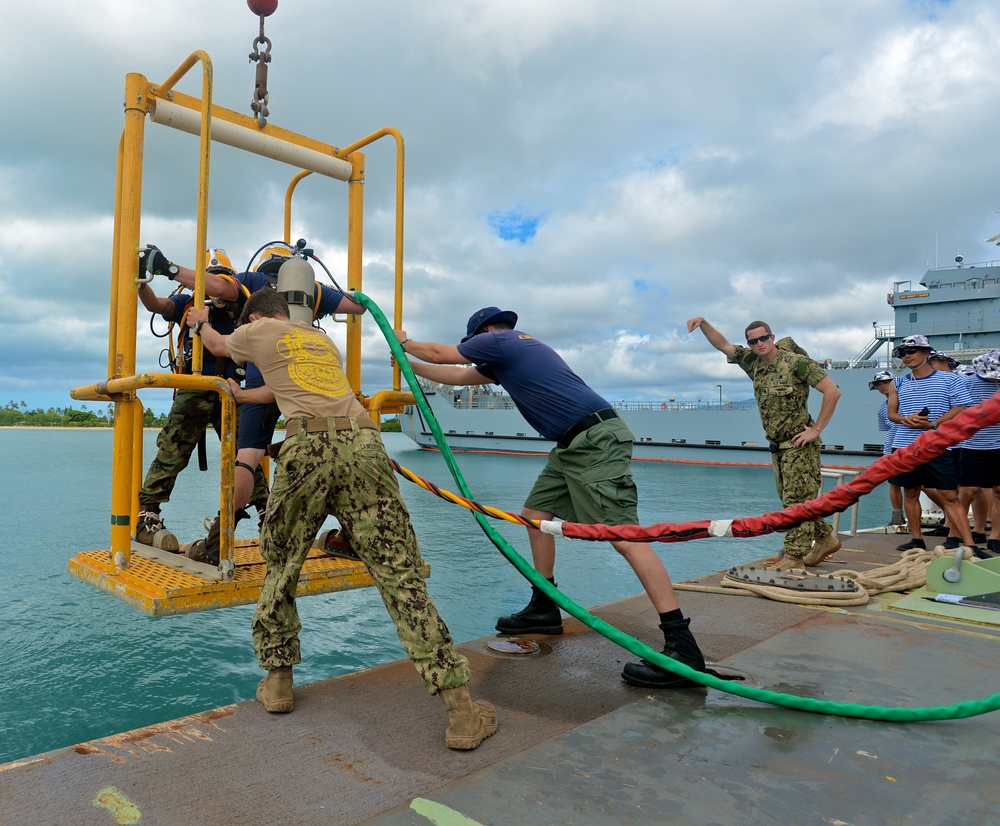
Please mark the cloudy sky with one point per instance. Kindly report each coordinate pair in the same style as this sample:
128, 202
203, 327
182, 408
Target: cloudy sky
606, 170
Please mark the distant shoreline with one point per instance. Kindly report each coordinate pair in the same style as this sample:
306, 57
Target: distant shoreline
61, 427
58, 427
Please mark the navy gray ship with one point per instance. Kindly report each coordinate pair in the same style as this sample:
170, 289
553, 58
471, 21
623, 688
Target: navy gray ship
956, 307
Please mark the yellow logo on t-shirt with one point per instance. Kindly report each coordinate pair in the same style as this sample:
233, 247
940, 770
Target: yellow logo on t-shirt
315, 365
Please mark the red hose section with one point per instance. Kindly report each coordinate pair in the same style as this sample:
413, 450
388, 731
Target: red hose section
930, 444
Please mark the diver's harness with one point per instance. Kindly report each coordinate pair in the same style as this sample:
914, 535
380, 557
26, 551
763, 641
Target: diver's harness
181, 356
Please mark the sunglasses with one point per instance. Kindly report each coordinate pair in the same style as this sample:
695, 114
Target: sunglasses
909, 351
752, 341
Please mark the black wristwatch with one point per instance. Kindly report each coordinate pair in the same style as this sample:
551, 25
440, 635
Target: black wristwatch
196, 329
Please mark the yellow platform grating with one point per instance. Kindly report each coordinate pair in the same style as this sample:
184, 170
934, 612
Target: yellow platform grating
162, 584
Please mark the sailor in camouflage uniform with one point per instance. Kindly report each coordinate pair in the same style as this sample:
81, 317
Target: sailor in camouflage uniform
781, 379
333, 462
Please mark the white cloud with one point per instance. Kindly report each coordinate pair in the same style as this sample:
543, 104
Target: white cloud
779, 160
910, 76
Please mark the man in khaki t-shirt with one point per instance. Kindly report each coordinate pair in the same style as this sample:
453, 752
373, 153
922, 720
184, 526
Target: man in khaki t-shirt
333, 462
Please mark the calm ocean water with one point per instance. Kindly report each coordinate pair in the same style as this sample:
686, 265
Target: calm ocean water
83, 665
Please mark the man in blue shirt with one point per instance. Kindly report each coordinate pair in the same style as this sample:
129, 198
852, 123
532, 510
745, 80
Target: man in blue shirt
587, 478
979, 455
885, 383
926, 399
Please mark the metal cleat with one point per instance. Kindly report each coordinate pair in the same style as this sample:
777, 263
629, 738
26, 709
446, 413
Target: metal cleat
800, 580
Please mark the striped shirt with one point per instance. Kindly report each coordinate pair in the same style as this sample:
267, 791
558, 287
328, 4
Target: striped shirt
886, 425
989, 437
939, 391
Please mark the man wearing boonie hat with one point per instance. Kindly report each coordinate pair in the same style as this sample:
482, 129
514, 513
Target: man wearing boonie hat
942, 361
587, 479
979, 455
885, 383
943, 396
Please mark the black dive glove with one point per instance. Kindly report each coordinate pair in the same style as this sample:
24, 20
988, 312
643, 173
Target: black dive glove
154, 262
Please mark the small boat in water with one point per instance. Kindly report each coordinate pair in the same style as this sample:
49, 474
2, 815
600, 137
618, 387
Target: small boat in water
957, 308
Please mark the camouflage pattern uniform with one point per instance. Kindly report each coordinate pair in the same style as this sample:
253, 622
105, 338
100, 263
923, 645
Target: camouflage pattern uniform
782, 392
190, 415
346, 473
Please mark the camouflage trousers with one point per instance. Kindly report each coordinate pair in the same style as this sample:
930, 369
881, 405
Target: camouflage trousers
189, 418
346, 474
797, 477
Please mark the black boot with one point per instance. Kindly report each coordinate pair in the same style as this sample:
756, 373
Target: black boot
681, 646
541, 616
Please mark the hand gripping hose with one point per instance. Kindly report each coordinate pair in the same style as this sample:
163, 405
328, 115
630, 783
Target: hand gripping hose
968, 708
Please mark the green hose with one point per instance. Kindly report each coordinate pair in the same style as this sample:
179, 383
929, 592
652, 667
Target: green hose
968, 708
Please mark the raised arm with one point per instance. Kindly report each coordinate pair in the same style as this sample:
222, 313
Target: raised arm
215, 285
715, 338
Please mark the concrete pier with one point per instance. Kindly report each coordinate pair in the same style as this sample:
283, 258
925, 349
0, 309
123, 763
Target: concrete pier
576, 744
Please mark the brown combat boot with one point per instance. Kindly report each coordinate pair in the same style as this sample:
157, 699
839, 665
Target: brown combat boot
151, 531
275, 690
787, 562
469, 723
821, 549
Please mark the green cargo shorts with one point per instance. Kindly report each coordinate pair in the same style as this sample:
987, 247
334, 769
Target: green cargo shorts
590, 481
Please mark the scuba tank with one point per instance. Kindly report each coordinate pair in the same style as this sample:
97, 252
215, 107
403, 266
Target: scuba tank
297, 283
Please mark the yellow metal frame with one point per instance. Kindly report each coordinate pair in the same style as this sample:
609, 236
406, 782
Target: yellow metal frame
210, 122
161, 591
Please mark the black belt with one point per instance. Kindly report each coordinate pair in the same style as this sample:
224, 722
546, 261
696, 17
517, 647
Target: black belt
585, 423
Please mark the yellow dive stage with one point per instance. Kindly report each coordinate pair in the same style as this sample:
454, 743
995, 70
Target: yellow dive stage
156, 582
163, 584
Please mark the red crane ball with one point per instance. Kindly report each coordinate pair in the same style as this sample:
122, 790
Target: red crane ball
265, 8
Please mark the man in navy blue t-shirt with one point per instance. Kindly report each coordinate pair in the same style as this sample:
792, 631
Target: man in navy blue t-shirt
587, 479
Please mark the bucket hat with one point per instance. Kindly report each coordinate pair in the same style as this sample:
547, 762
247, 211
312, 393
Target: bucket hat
918, 341
880, 376
488, 315
988, 365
